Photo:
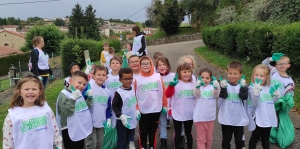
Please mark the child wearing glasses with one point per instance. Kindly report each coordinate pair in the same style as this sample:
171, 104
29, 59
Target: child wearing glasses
151, 101
134, 64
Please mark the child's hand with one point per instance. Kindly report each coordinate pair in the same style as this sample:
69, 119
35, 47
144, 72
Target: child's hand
223, 82
199, 82
215, 83
138, 115
88, 67
75, 94
175, 81
242, 82
108, 124
257, 87
89, 92
275, 91
164, 110
170, 111
124, 119
276, 56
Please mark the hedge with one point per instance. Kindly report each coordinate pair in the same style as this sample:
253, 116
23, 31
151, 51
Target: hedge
253, 42
72, 51
13, 59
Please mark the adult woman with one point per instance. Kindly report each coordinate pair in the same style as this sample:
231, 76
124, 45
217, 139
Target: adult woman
139, 42
39, 60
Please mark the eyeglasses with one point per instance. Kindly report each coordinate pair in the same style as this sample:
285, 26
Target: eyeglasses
282, 64
127, 79
145, 64
133, 62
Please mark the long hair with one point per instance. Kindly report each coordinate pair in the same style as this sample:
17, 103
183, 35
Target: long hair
184, 66
266, 73
165, 61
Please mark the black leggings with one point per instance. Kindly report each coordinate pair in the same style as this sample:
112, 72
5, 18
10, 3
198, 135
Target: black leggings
69, 144
148, 126
227, 131
188, 132
262, 134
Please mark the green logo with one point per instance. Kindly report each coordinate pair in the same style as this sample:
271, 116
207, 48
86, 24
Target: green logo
232, 96
80, 106
206, 94
100, 99
131, 101
265, 98
33, 123
185, 93
149, 86
114, 85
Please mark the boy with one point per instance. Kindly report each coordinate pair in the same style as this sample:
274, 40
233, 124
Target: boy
72, 67
232, 115
101, 109
134, 64
111, 53
139, 46
104, 53
124, 106
72, 112
113, 82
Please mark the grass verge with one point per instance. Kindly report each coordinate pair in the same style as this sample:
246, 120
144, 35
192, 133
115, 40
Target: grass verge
161, 34
222, 61
4, 84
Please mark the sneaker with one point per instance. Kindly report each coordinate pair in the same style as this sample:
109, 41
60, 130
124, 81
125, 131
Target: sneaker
181, 142
131, 145
168, 124
163, 143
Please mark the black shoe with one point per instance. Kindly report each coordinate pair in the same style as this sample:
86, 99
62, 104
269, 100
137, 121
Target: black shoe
181, 142
168, 124
163, 144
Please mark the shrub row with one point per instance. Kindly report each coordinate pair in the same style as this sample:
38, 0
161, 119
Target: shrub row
13, 59
72, 51
253, 42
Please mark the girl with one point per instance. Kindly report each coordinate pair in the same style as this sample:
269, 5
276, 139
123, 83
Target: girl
182, 103
128, 53
163, 67
263, 109
30, 122
190, 59
205, 108
139, 46
151, 101
72, 67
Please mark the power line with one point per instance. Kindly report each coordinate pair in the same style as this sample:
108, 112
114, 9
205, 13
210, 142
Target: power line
28, 2
139, 11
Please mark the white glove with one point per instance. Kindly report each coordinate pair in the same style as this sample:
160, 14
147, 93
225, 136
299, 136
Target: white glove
125, 121
88, 69
216, 84
243, 82
41, 78
277, 93
137, 53
89, 93
224, 83
138, 115
75, 95
270, 59
108, 124
256, 89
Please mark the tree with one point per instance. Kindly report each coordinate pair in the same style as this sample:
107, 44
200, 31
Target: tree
101, 21
139, 24
51, 34
149, 23
154, 10
59, 22
76, 21
91, 28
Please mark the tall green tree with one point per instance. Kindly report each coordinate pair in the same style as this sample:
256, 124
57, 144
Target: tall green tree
91, 28
59, 22
76, 21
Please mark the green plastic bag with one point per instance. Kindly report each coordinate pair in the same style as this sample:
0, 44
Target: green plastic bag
110, 138
124, 62
284, 134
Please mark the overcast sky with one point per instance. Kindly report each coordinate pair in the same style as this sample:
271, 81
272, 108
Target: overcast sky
116, 9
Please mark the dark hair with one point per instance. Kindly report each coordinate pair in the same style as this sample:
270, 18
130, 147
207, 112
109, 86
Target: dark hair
184, 66
124, 71
136, 28
236, 65
80, 74
132, 57
72, 64
117, 58
156, 55
100, 68
206, 70
111, 50
105, 44
165, 61
129, 44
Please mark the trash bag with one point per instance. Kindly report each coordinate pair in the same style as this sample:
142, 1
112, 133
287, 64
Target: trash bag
124, 62
110, 138
284, 134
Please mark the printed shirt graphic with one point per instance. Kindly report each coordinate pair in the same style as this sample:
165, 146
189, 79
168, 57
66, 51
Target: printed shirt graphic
100, 104
137, 44
32, 127
205, 108
112, 83
231, 109
149, 93
80, 123
183, 101
282, 81
129, 105
167, 79
43, 60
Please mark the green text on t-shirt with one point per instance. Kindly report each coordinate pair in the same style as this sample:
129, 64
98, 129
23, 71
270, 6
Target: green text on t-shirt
33, 123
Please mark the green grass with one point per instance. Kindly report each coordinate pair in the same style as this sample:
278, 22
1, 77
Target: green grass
161, 34
4, 84
222, 61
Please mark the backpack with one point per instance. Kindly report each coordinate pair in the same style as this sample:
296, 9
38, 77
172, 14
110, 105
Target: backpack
30, 63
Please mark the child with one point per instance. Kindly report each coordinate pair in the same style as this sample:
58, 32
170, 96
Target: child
104, 53
113, 82
205, 108
124, 106
75, 119
101, 109
129, 50
134, 64
232, 115
111, 54
139, 42
30, 122
155, 56
191, 61
182, 103
163, 66
151, 101
263, 106
72, 67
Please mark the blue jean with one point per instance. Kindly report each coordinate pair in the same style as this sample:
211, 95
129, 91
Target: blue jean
45, 81
163, 126
124, 134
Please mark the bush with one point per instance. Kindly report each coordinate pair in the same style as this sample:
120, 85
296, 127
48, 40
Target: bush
72, 51
254, 42
13, 59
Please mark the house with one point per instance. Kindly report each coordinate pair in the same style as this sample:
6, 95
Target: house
6, 51
10, 28
11, 39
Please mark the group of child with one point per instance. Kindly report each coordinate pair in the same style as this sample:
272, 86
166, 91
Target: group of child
148, 94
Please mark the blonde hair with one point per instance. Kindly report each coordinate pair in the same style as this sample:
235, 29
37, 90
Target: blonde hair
17, 100
36, 40
267, 73
184, 66
285, 58
191, 57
